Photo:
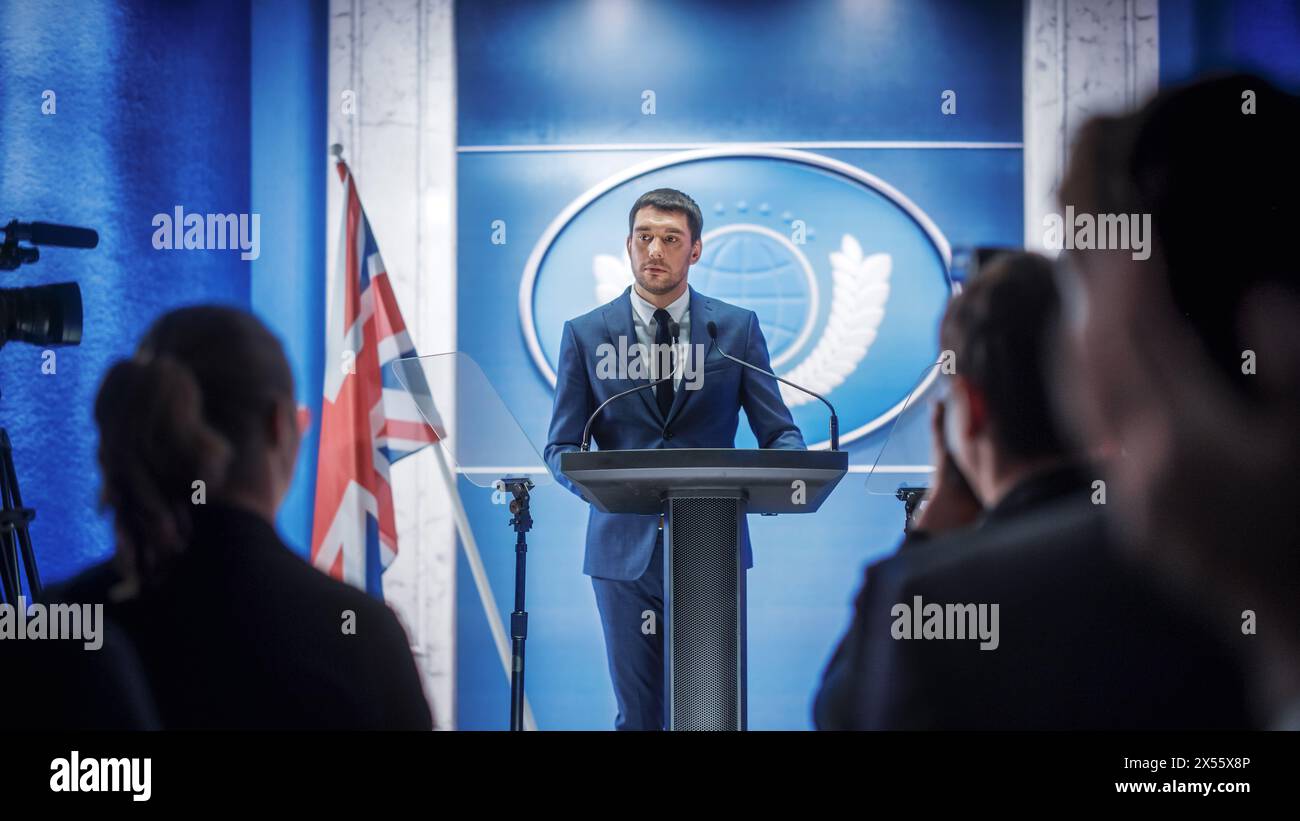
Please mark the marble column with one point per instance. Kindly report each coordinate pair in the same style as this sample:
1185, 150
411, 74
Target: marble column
393, 109
1082, 57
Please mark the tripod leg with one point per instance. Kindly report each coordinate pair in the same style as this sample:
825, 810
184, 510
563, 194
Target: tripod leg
35, 590
9, 568
15, 540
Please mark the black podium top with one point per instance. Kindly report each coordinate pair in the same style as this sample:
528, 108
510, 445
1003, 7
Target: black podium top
638, 481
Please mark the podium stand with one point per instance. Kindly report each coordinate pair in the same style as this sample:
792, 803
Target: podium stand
704, 495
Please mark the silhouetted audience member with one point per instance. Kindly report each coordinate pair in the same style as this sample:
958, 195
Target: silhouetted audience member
61, 685
1189, 361
996, 447
198, 440
1076, 640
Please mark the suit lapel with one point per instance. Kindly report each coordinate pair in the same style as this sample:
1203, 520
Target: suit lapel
701, 309
618, 321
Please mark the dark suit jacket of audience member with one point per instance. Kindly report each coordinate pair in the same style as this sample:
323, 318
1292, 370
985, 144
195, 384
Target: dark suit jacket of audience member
60, 685
244, 634
842, 699
1085, 640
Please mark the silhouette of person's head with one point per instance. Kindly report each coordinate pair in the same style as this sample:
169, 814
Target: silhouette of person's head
1188, 362
203, 413
998, 415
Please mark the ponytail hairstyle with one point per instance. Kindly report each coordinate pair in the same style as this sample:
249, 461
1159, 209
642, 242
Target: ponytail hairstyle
191, 406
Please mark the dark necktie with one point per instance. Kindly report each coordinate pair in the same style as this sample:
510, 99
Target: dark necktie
663, 342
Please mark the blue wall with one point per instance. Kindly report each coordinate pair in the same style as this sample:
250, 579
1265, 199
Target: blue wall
216, 107
569, 72
572, 71
289, 174
152, 112
1198, 36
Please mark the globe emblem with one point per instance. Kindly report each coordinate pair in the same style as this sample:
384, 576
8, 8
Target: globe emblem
759, 269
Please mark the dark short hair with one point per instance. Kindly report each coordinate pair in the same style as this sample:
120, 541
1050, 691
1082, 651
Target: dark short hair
999, 328
669, 199
1221, 186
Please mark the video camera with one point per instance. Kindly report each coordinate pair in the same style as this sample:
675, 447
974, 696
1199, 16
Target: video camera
41, 314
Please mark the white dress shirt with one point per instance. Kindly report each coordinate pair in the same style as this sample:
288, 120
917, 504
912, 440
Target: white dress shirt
643, 322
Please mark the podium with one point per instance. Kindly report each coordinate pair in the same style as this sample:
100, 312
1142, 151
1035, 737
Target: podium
704, 495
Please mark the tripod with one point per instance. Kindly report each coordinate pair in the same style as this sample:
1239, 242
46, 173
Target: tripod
43, 315
15, 540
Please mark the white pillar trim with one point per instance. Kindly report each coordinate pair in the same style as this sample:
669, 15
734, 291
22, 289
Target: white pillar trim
397, 57
1081, 58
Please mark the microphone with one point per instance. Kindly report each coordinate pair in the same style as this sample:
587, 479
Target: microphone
835, 420
45, 233
674, 330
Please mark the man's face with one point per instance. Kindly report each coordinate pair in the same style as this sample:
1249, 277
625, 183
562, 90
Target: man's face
661, 250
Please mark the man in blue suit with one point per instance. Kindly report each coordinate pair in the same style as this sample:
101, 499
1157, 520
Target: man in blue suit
699, 408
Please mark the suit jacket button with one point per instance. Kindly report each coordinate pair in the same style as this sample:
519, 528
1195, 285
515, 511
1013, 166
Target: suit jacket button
668, 434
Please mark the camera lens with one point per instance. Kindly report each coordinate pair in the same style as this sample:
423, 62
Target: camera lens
41, 314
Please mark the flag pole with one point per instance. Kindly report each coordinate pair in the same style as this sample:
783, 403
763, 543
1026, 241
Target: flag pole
477, 570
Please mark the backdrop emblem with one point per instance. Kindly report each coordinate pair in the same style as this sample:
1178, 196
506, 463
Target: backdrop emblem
847, 275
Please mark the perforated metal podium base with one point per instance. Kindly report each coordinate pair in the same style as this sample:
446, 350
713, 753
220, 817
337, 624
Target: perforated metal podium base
704, 603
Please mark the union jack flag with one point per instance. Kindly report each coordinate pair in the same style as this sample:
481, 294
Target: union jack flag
367, 420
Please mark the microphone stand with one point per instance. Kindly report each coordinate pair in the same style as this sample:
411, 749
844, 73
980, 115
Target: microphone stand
522, 521
835, 420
